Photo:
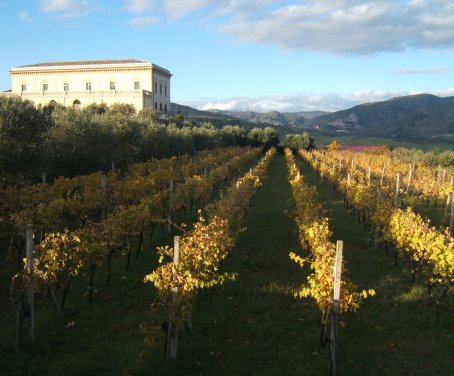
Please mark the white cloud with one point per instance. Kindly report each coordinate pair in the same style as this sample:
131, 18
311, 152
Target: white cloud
139, 6
444, 93
143, 21
433, 70
282, 103
305, 101
370, 95
352, 27
332, 26
24, 17
227, 105
66, 8
340, 28
178, 8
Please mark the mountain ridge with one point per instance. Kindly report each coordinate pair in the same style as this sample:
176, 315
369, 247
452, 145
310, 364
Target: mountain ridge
422, 115
412, 116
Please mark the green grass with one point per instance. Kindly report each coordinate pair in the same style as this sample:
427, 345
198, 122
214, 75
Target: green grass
395, 331
105, 339
253, 326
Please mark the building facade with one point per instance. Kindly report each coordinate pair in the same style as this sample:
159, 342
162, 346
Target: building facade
80, 83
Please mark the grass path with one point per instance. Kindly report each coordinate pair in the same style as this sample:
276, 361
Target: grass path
254, 326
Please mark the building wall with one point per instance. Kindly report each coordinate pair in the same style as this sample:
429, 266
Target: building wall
161, 90
134, 97
76, 78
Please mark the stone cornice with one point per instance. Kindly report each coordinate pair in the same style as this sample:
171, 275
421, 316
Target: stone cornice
61, 70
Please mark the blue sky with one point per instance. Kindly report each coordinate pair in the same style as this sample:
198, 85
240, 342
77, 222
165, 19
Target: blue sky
258, 55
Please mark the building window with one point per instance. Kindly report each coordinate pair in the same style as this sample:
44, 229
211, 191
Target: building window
136, 85
165, 107
66, 86
23, 88
160, 106
165, 90
88, 86
160, 89
45, 87
156, 105
112, 85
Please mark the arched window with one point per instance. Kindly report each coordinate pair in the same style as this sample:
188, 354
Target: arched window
76, 105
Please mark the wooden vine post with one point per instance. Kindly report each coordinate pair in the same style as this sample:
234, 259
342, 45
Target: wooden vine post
347, 191
169, 221
176, 261
172, 334
104, 191
377, 226
451, 222
26, 310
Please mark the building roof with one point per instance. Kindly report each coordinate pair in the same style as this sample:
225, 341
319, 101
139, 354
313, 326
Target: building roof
88, 64
84, 62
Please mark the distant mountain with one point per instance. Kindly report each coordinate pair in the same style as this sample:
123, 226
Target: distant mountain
248, 119
217, 118
415, 116
288, 119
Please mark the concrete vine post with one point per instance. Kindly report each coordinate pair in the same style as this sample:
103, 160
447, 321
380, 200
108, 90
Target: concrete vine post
30, 294
396, 197
336, 305
410, 173
448, 205
382, 174
338, 271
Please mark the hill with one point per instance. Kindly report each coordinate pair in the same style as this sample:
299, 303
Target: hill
416, 116
248, 118
421, 117
287, 119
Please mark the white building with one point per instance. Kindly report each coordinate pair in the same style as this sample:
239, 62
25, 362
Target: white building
80, 83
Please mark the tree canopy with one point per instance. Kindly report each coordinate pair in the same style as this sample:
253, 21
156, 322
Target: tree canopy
299, 141
62, 141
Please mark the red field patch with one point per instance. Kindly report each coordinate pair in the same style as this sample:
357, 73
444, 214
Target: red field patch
360, 148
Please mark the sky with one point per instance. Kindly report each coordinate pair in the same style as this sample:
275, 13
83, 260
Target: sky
248, 55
